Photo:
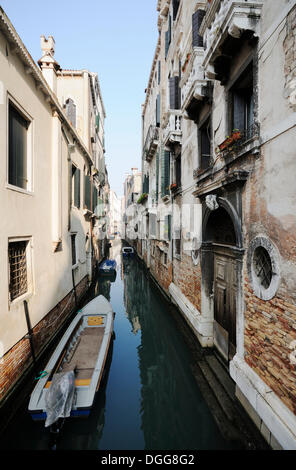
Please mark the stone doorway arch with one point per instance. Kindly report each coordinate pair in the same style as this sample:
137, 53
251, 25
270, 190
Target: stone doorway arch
222, 273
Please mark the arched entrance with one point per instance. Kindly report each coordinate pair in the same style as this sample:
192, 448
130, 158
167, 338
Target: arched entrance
221, 252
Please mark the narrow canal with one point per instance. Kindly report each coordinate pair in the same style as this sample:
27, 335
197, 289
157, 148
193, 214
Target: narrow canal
149, 399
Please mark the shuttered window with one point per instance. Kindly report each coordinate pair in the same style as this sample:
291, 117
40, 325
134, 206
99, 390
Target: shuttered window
165, 172
98, 121
159, 72
87, 193
18, 157
145, 188
75, 186
71, 111
152, 225
94, 199
175, 93
157, 111
205, 144
176, 4
197, 17
167, 227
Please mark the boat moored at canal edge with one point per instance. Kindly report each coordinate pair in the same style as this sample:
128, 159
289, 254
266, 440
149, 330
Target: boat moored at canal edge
82, 349
127, 252
107, 267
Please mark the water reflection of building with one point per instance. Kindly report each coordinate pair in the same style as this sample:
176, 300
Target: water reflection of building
172, 411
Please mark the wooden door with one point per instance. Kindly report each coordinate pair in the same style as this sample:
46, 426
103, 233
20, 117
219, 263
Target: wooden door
225, 289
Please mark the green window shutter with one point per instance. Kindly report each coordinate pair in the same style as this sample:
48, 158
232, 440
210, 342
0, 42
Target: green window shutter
98, 121
94, 199
158, 110
87, 192
77, 188
165, 172
167, 227
157, 175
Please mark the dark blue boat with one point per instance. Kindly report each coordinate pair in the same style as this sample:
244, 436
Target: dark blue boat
127, 252
108, 267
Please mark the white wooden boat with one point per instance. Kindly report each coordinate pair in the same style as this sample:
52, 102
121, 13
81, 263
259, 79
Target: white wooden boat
83, 348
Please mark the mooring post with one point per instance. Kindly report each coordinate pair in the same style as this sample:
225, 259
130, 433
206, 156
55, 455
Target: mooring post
30, 331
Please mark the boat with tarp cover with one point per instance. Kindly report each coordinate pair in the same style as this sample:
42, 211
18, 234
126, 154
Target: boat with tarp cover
73, 374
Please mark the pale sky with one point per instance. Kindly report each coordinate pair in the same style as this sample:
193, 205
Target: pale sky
116, 39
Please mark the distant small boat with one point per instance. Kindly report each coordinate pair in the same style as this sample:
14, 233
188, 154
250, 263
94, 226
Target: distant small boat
73, 374
127, 251
107, 267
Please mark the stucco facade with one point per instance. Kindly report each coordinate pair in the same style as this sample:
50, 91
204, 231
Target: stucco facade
47, 231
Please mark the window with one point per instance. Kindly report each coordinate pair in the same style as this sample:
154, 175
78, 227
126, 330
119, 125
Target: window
176, 4
75, 186
177, 243
152, 225
167, 227
165, 173
157, 111
18, 278
73, 249
87, 194
18, 149
205, 133
178, 171
242, 104
197, 17
262, 266
175, 93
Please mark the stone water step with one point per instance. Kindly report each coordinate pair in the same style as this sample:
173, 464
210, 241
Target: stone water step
222, 375
219, 391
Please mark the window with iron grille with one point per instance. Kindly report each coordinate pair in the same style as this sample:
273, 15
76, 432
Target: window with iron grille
262, 266
73, 249
18, 279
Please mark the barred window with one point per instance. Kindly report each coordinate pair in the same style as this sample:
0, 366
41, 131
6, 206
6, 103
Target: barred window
73, 249
18, 284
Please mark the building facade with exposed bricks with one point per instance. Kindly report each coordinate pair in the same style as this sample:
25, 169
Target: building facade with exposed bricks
51, 186
218, 228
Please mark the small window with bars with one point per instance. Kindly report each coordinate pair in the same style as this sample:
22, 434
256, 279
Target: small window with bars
18, 272
73, 249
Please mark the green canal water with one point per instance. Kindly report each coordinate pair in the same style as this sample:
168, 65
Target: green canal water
149, 398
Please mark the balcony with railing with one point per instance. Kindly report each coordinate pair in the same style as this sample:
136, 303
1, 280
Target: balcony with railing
151, 143
224, 19
172, 133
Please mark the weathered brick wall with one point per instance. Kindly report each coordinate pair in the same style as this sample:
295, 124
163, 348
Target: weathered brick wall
270, 325
15, 362
187, 277
162, 273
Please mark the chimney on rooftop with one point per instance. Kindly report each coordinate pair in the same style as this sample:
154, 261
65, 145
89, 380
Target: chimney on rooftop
47, 63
